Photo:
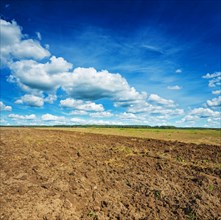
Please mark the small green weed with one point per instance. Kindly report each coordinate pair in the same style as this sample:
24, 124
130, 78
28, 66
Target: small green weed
180, 159
190, 213
192, 216
211, 188
157, 193
92, 214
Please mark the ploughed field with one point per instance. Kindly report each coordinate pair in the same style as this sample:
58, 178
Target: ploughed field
60, 174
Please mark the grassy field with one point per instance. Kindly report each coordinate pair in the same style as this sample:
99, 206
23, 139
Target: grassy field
198, 136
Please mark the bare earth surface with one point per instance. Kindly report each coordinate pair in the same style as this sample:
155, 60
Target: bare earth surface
52, 174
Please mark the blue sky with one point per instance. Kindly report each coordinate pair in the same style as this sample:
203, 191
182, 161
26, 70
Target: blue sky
111, 62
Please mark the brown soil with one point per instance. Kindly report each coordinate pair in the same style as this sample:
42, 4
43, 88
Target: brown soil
49, 174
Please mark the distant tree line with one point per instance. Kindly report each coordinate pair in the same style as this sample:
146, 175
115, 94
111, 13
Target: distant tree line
111, 126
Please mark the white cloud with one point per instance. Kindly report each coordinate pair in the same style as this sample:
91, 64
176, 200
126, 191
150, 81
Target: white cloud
214, 102
101, 114
215, 79
127, 116
4, 107
213, 122
31, 100
213, 75
50, 117
131, 103
156, 109
22, 117
14, 44
10, 33
216, 92
159, 100
205, 112
178, 71
81, 105
87, 83
78, 121
29, 49
57, 65
215, 82
94, 122
189, 118
171, 112
19, 101
82, 83
30, 74
50, 98
78, 112
38, 35
198, 114
174, 87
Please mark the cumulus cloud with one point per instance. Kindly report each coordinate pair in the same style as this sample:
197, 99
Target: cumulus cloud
54, 119
214, 102
29, 49
178, 71
22, 117
94, 122
214, 79
213, 75
156, 109
85, 85
174, 87
50, 98
204, 112
34, 75
101, 114
148, 118
14, 44
197, 114
50, 117
31, 100
88, 83
127, 116
4, 107
81, 105
78, 121
57, 65
171, 112
10, 32
213, 122
215, 82
78, 112
159, 100
189, 118
81, 83
216, 92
